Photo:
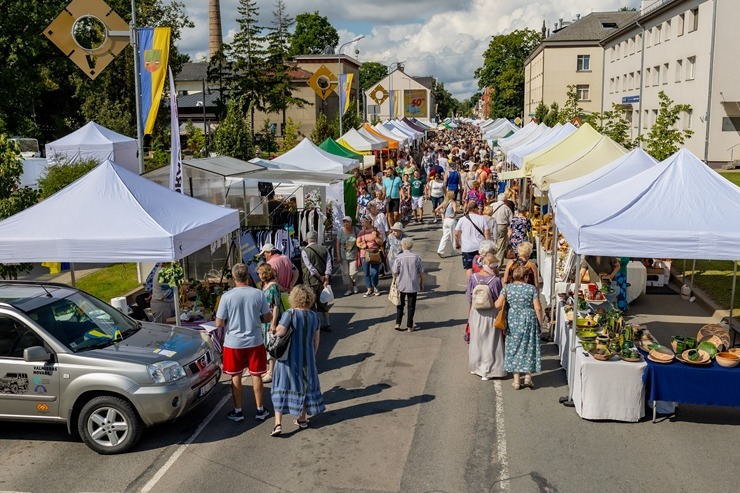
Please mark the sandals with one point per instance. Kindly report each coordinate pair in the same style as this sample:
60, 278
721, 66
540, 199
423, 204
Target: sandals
528, 382
276, 430
516, 385
301, 424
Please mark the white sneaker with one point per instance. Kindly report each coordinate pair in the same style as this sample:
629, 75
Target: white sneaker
355, 290
435, 220
348, 292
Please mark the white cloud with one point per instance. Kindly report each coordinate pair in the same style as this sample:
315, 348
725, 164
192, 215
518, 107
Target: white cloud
442, 38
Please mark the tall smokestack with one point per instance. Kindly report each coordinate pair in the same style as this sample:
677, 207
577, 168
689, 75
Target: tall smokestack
215, 39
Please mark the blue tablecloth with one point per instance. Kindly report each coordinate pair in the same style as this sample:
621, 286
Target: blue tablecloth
710, 385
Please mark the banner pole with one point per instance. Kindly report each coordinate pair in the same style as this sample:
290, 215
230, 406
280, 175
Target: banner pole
137, 89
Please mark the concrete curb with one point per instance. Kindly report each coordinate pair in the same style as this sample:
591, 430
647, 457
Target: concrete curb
702, 297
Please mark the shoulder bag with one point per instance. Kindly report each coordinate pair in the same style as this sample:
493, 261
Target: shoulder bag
277, 346
474, 225
500, 320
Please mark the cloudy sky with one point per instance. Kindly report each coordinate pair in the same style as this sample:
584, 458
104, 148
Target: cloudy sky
442, 38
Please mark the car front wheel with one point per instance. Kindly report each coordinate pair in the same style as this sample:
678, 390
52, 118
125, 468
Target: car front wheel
109, 425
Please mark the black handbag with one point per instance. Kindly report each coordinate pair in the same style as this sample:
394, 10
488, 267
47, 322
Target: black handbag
277, 346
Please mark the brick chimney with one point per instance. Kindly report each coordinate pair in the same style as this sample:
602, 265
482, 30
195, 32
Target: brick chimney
215, 39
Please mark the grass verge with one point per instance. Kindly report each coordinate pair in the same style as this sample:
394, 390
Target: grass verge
110, 282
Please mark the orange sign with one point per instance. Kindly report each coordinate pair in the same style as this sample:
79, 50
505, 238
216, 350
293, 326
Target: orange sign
41, 407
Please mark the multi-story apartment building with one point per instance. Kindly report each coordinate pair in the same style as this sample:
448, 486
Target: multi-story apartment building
688, 49
571, 56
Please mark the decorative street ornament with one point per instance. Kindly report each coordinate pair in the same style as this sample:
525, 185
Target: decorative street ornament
379, 94
89, 33
323, 82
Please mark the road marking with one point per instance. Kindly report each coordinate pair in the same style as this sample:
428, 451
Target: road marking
163, 470
501, 457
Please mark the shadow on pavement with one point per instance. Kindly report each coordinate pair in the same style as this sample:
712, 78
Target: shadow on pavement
339, 394
366, 409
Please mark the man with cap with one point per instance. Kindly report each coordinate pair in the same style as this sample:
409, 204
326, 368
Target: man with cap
317, 270
286, 274
346, 254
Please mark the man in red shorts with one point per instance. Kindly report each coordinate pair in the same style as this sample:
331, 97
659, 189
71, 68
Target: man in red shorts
241, 311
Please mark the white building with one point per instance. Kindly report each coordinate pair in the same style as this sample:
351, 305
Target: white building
412, 97
689, 50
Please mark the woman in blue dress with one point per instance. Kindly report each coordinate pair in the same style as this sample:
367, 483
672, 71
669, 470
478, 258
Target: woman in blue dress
523, 322
295, 384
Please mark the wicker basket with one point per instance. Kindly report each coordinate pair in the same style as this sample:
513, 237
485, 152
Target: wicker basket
716, 334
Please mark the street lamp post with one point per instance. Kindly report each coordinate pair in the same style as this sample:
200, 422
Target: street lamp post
339, 71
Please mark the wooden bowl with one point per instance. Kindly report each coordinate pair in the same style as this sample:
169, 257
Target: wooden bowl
727, 359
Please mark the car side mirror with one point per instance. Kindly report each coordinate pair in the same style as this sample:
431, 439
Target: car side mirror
35, 353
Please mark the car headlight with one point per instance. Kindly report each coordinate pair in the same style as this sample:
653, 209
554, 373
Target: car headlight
165, 371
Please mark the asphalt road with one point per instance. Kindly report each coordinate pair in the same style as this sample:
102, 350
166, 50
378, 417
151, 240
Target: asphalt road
404, 415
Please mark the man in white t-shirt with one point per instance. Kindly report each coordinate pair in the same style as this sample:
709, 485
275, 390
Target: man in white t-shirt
470, 230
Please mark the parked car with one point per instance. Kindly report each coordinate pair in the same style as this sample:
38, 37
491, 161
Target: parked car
68, 357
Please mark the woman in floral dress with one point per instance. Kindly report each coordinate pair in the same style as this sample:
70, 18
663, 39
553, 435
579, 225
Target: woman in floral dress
363, 198
520, 227
272, 292
523, 322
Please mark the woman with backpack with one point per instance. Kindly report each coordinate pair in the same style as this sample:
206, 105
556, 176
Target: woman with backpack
486, 349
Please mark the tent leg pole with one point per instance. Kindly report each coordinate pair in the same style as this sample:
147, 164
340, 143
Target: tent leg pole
176, 298
693, 270
568, 401
732, 300
72, 281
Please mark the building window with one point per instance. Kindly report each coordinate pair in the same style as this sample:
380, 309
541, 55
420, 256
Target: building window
665, 73
638, 43
694, 20
638, 80
654, 117
657, 35
656, 75
584, 63
691, 68
582, 90
647, 77
645, 118
648, 38
679, 70
632, 80
688, 119
681, 22
611, 85
667, 30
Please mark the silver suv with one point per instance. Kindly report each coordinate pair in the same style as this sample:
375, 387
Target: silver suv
67, 357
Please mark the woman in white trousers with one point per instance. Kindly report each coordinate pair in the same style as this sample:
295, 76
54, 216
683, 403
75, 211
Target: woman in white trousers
448, 209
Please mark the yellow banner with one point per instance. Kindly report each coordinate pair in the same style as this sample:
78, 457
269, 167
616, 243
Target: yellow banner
414, 102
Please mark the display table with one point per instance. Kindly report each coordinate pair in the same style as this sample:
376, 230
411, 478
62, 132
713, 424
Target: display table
711, 385
612, 390
562, 335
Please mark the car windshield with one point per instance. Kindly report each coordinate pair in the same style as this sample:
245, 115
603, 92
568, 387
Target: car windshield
82, 322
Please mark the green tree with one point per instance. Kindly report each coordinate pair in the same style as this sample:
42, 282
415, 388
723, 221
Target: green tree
313, 33
446, 104
247, 53
553, 115
279, 93
268, 143
613, 124
571, 110
371, 73
60, 175
664, 138
13, 197
290, 137
323, 130
233, 136
502, 69
196, 143
540, 112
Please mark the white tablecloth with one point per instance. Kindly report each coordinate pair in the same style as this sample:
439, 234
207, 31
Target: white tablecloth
608, 389
561, 335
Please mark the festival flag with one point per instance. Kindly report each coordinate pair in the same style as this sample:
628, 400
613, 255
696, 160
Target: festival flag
154, 49
391, 104
345, 85
175, 150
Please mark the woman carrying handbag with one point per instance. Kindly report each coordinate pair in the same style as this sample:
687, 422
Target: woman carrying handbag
370, 241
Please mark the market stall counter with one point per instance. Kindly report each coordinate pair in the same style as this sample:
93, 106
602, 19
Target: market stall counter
710, 385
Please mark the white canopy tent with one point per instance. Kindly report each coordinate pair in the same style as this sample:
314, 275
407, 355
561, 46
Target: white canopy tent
634, 162
393, 134
500, 130
665, 211
113, 215
310, 157
360, 142
530, 129
96, 142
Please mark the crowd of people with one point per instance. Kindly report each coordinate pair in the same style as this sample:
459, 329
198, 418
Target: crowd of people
457, 173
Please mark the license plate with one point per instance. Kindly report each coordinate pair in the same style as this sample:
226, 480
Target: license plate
207, 387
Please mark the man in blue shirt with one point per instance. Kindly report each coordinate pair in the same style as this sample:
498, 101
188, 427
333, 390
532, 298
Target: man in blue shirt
392, 185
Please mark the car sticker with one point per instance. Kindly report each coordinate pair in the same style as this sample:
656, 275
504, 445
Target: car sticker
42, 408
14, 383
